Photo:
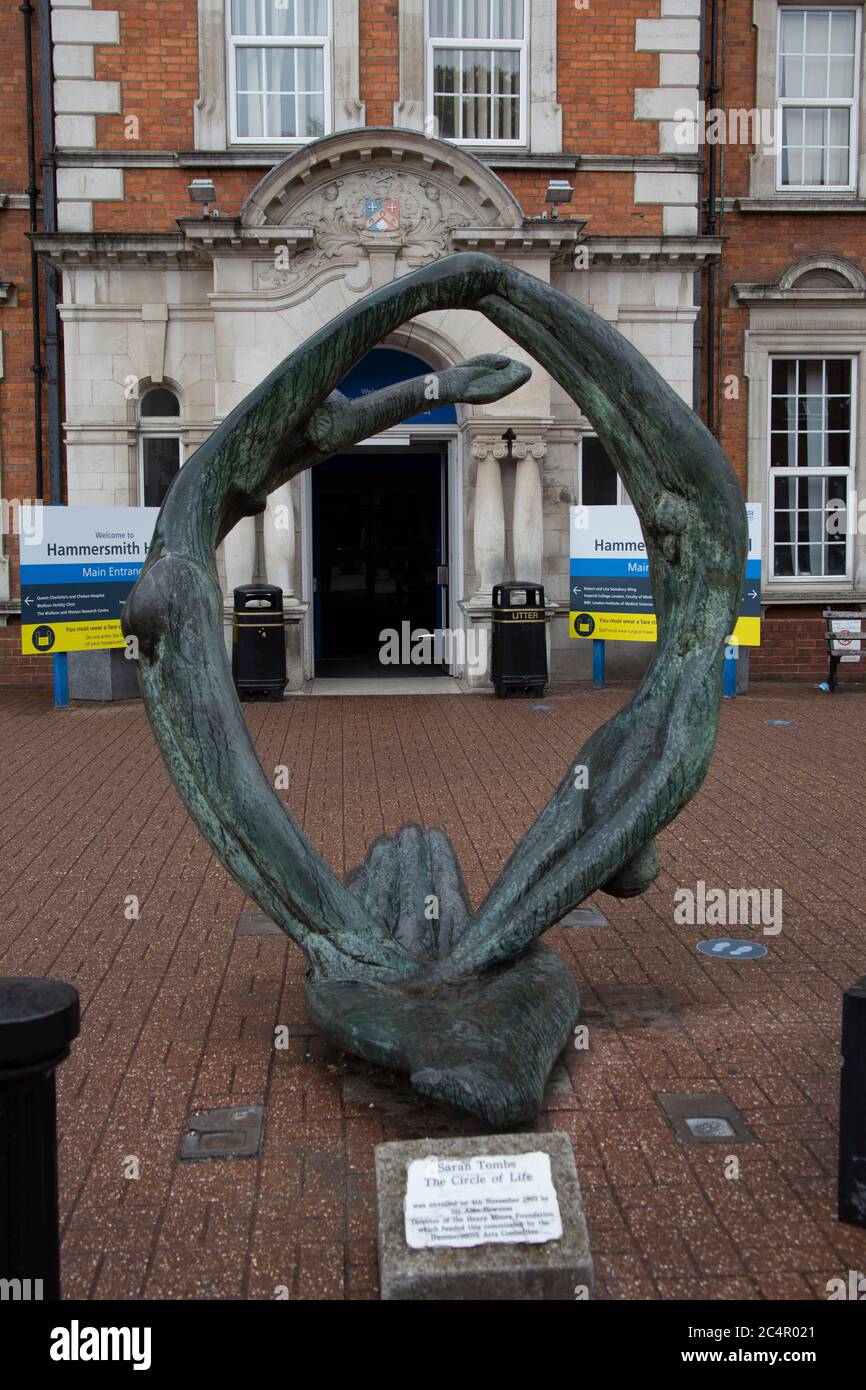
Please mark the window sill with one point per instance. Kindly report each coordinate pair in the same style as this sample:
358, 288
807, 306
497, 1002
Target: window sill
522, 159
814, 203
845, 592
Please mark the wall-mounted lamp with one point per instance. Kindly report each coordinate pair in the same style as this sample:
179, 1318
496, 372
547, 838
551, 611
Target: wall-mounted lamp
558, 191
202, 191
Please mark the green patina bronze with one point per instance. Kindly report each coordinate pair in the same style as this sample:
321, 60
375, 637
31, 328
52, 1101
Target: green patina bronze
472, 1005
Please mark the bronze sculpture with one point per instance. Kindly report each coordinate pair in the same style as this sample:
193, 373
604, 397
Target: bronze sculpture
471, 1005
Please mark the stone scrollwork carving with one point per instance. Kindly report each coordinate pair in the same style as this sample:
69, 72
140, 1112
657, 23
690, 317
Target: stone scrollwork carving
470, 1003
338, 213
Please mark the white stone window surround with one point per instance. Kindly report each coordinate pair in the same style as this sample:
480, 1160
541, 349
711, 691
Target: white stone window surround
543, 114
434, 44
156, 426
852, 105
238, 42
763, 164
797, 329
836, 472
211, 111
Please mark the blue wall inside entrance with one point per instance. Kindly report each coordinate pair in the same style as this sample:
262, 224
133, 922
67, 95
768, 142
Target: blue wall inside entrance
385, 367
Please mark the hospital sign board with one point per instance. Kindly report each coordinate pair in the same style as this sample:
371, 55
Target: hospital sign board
78, 565
610, 586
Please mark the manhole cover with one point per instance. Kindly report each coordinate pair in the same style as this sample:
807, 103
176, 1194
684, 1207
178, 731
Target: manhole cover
727, 948
232, 1133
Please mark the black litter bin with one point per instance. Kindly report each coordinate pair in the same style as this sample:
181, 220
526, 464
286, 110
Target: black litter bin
259, 641
518, 663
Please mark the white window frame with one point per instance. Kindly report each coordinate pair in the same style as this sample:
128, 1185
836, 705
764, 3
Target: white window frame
157, 427
520, 46
850, 472
235, 41
852, 104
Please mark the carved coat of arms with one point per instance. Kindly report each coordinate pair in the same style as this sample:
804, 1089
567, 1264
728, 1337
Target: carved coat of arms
382, 214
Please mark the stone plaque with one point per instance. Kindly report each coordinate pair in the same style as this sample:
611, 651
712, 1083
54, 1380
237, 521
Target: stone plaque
491, 1199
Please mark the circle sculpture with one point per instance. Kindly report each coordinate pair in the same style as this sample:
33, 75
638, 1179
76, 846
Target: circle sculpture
471, 1005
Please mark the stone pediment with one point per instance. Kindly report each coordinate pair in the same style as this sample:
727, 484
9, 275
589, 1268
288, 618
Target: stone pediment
375, 195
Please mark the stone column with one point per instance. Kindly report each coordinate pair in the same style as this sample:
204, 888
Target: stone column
489, 525
239, 554
528, 520
279, 539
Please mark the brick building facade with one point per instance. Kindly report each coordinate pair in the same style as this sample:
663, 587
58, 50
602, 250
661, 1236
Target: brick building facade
348, 143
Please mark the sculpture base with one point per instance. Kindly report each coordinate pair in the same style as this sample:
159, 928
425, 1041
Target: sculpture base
487, 1044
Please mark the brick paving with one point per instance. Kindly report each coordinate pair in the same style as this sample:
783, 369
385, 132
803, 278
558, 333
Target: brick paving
179, 1013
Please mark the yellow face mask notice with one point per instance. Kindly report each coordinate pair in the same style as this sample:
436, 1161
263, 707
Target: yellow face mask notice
642, 627
47, 638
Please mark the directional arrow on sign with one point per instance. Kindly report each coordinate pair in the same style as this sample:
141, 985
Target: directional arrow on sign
28, 601
753, 593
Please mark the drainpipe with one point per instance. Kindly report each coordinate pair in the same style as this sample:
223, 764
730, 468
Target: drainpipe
697, 278
720, 267
27, 11
49, 215
712, 93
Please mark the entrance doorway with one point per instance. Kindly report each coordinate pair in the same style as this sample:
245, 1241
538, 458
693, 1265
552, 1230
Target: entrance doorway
379, 556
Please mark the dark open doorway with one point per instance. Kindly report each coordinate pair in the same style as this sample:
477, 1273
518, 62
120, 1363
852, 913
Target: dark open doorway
378, 551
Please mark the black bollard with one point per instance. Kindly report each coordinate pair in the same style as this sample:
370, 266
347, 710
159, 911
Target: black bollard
38, 1020
852, 1108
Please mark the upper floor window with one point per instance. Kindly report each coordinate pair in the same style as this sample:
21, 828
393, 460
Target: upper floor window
811, 466
279, 70
818, 84
477, 54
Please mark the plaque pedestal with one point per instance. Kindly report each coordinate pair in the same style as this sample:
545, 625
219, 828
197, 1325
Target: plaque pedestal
503, 1202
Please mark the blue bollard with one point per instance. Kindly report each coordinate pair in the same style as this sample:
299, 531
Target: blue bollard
61, 681
730, 686
597, 663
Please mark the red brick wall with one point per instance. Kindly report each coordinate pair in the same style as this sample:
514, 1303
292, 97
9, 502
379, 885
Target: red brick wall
156, 63
379, 42
598, 72
17, 387
17, 669
759, 246
794, 646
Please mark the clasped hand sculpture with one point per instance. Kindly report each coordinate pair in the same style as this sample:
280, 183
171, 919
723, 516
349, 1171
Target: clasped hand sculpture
472, 1005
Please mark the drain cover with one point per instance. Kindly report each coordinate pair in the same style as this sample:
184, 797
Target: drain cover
535, 709
585, 917
780, 723
233, 1133
732, 949
705, 1119
256, 924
